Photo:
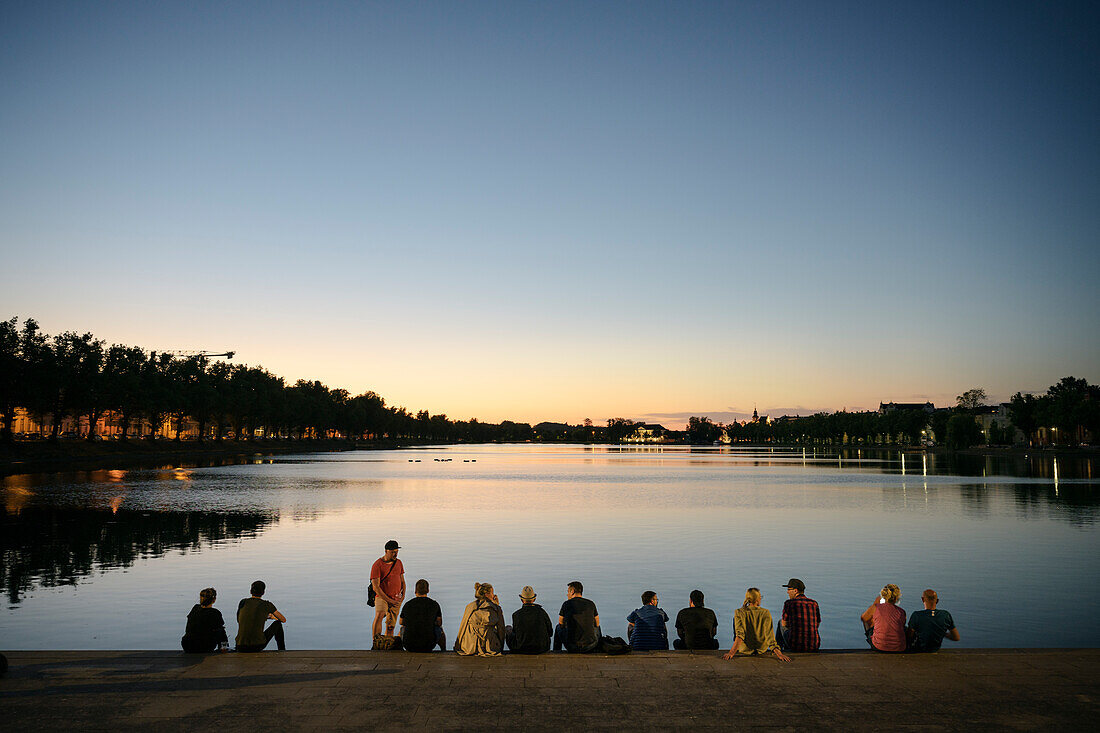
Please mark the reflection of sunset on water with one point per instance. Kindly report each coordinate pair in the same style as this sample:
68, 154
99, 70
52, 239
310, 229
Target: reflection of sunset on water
15, 498
115, 503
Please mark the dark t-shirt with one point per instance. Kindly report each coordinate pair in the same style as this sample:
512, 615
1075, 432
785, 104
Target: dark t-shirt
531, 630
251, 615
931, 626
696, 626
418, 618
580, 624
205, 626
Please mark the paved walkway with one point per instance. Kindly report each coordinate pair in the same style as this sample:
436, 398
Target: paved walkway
953, 690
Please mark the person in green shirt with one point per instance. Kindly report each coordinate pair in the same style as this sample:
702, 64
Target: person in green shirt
251, 615
755, 632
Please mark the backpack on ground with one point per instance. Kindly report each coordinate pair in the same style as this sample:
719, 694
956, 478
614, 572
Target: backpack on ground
614, 645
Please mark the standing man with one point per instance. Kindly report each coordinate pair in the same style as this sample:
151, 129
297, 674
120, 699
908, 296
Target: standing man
645, 627
531, 628
251, 614
578, 622
387, 576
927, 628
797, 630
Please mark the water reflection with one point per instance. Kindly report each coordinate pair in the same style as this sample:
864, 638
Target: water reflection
52, 546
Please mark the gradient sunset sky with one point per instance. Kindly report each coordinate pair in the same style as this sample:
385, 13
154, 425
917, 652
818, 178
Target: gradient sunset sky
552, 211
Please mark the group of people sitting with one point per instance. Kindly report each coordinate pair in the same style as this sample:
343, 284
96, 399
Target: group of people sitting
483, 631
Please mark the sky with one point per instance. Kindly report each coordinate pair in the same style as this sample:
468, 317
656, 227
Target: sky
553, 211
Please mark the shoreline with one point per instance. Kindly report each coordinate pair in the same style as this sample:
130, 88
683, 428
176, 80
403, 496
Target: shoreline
335, 690
29, 457
43, 456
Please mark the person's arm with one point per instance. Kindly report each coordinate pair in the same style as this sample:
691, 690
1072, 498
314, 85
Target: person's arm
629, 629
738, 635
780, 655
377, 583
277, 616
953, 634
402, 596
733, 649
868, 616
783, 616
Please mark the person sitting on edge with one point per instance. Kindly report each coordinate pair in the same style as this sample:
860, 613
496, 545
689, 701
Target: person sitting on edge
797, 630
645, 626
205, 626
884, 621
531, 628
929, 626
422, 622
753, 630
251, 614
482, 630
696, 625
387, 576
578, 628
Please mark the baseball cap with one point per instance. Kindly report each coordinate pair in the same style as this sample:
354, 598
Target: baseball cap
796, 584
392, 545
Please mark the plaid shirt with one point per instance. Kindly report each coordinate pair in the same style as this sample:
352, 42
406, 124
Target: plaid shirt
802, 616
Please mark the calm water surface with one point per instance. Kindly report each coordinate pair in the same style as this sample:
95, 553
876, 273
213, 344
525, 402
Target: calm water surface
115, 559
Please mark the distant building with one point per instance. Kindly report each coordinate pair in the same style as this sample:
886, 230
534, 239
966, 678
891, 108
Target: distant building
990, 416
646, 433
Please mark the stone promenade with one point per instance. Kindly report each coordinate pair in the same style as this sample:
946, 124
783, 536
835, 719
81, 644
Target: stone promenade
334, 690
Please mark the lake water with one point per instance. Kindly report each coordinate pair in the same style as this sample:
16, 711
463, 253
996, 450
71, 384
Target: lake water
115, 559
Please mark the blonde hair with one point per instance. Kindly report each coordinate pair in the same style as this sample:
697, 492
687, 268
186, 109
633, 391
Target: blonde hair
752, 597
483, 591
891, 593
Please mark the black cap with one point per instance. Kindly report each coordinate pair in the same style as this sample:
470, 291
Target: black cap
792, 583
392, 545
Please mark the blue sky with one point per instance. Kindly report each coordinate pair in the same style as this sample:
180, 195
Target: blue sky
557, 211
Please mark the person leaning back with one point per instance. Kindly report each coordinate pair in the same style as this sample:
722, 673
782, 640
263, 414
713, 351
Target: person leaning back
387, 577
251, 615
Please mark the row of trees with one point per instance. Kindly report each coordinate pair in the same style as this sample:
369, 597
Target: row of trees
1067, 414
73, 376
1067, 410
76, 376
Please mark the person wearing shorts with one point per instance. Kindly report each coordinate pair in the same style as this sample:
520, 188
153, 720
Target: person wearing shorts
387, 576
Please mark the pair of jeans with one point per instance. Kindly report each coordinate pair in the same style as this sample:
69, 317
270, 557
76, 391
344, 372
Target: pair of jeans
783, 637
274, 631
191, 645
561, 635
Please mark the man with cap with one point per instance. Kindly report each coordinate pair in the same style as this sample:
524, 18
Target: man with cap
531, 628
797, 630
387, 576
